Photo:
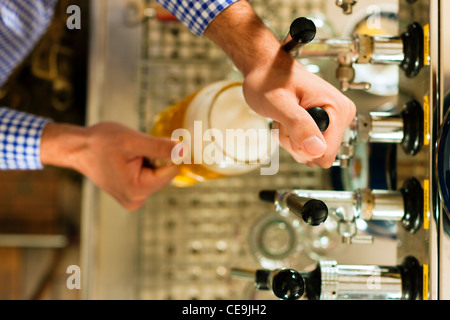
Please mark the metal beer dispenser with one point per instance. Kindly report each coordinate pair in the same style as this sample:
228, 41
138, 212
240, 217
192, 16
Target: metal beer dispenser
313, 206
406, 127
406, 51
333, 281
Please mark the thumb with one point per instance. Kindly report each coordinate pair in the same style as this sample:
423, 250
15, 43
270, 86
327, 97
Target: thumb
304, 133
156, 179
154, 148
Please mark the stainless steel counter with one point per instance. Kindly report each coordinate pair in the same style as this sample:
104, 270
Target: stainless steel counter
109, 233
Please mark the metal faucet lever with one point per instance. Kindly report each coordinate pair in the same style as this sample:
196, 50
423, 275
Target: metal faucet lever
406, 51
346, 5
404, 128
333, 281
302, 31
314, 212
286, 284
404, 205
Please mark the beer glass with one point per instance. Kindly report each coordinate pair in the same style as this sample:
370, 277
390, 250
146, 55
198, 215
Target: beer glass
222, 135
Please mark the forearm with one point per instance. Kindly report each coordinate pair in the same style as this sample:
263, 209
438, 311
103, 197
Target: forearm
238, 26
62, 144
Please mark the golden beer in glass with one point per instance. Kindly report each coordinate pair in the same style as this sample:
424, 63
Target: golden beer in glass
216, 113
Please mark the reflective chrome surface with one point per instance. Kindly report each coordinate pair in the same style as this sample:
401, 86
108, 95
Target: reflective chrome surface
385, 128
359, 282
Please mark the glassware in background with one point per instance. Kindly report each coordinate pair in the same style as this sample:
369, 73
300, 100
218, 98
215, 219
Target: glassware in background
276, 240
323, 241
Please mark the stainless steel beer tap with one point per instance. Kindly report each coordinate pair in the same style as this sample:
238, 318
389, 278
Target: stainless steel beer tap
346, 5
314, 206
333, 281
404, 128
406, 51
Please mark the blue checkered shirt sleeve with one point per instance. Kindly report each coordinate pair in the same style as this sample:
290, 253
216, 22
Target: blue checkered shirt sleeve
22, 24
20, 137
195, 14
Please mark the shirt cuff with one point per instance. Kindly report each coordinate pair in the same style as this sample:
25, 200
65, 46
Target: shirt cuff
20, 140
196, 14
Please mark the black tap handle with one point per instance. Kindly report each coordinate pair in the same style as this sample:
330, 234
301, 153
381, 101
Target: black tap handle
321, 118
268, 195
313, 212
288, 284
302, 31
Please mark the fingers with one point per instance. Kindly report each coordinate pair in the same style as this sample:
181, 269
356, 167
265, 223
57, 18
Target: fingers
149, 182
302, 130
159, 148
332, 136
153, 180
301, 136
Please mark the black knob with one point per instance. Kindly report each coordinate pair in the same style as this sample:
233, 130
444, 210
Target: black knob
268, 195
413, 50
412, 279
321, 118
312, 211
413, 122
288, 284
302, 31
413, 199
315, 212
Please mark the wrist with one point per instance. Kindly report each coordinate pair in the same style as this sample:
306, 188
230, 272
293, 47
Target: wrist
238, 26
62, 145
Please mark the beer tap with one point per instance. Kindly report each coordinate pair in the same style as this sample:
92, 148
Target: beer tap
346, 5
302, 32
286, 284
314, 206
406, 51
332, 281
404, 128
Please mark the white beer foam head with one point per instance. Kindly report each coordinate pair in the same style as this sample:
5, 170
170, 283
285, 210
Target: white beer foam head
229, 111
247, 136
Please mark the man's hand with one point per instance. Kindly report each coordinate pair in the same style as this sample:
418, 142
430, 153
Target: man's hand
284, 93
113, 157
278, 87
